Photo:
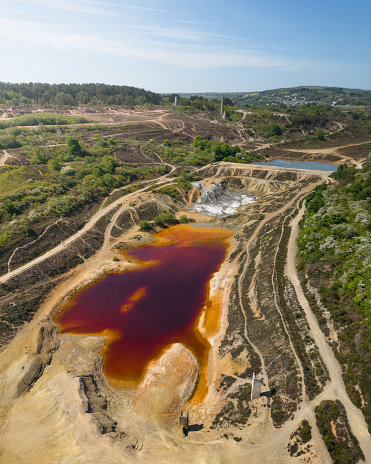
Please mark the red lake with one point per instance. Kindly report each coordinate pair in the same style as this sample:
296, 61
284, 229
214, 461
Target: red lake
156, 304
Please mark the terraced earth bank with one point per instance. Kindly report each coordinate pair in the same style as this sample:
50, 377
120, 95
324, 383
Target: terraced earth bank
57, 404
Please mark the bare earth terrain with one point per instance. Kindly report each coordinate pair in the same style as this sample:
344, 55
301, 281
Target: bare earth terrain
56, 405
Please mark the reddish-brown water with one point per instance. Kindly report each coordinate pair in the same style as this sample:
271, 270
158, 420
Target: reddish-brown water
145, 310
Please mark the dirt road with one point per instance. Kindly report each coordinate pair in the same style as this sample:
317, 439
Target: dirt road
4, 157
331, 151
82, 231
336, 388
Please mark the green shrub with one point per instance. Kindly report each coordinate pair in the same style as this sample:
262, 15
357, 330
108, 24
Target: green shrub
145, 225
305, 431
320, 134
165, 218
183, 219
172, 192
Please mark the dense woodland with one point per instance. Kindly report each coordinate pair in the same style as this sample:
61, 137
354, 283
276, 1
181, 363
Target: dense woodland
62, 95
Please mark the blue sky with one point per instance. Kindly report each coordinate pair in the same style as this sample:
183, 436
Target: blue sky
193, 46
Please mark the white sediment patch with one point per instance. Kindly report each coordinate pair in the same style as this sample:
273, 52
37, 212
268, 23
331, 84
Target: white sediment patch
219, 201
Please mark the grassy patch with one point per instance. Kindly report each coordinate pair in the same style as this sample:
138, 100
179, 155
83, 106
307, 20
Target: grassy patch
14, 180
41, 118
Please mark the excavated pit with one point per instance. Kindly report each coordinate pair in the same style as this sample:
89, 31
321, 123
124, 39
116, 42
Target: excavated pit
157, 304
69, 411
218, 200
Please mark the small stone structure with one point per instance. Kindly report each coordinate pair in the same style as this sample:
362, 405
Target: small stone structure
176, 99
256, 386
183, 422
222, 107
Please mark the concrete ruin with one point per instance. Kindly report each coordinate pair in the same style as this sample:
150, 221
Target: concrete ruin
223, 112
226, 116
183, 422
256, 386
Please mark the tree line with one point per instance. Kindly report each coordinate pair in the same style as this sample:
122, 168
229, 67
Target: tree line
59, 95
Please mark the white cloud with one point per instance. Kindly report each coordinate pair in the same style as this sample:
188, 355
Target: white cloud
147, 47
90, 6
136, 7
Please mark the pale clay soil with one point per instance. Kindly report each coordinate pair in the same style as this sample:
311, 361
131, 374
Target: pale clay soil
49, 424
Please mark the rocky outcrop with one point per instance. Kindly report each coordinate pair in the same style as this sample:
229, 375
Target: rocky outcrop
210, 192
95, 403
258, 186
46, 344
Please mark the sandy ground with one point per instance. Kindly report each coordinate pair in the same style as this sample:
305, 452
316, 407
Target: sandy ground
59, 420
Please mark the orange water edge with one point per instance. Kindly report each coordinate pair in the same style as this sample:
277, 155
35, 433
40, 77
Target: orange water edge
209, 313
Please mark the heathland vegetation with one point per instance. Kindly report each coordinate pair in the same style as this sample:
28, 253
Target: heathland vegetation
63, 176
63, 179
64, 165
58, 168
335, 255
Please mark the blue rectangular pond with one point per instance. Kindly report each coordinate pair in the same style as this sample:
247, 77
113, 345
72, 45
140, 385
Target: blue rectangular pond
312, 165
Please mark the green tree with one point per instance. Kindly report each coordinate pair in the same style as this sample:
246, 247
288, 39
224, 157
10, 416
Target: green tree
344, 172
40, 156
109, 181
320, 134
167, 218
54, 165
274, 129
8, 141
183, 219
108, 164
200, 142
157, 220
145, 225
73, 147
315, 203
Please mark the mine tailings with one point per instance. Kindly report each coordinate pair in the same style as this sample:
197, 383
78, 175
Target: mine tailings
158, 303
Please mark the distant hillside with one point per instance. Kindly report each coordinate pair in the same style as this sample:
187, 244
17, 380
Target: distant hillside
59, 95
294, 96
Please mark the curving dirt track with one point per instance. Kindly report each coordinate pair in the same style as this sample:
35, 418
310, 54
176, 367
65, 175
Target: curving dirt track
336, 388
81, 232
53, 406
332, 151
5, 157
